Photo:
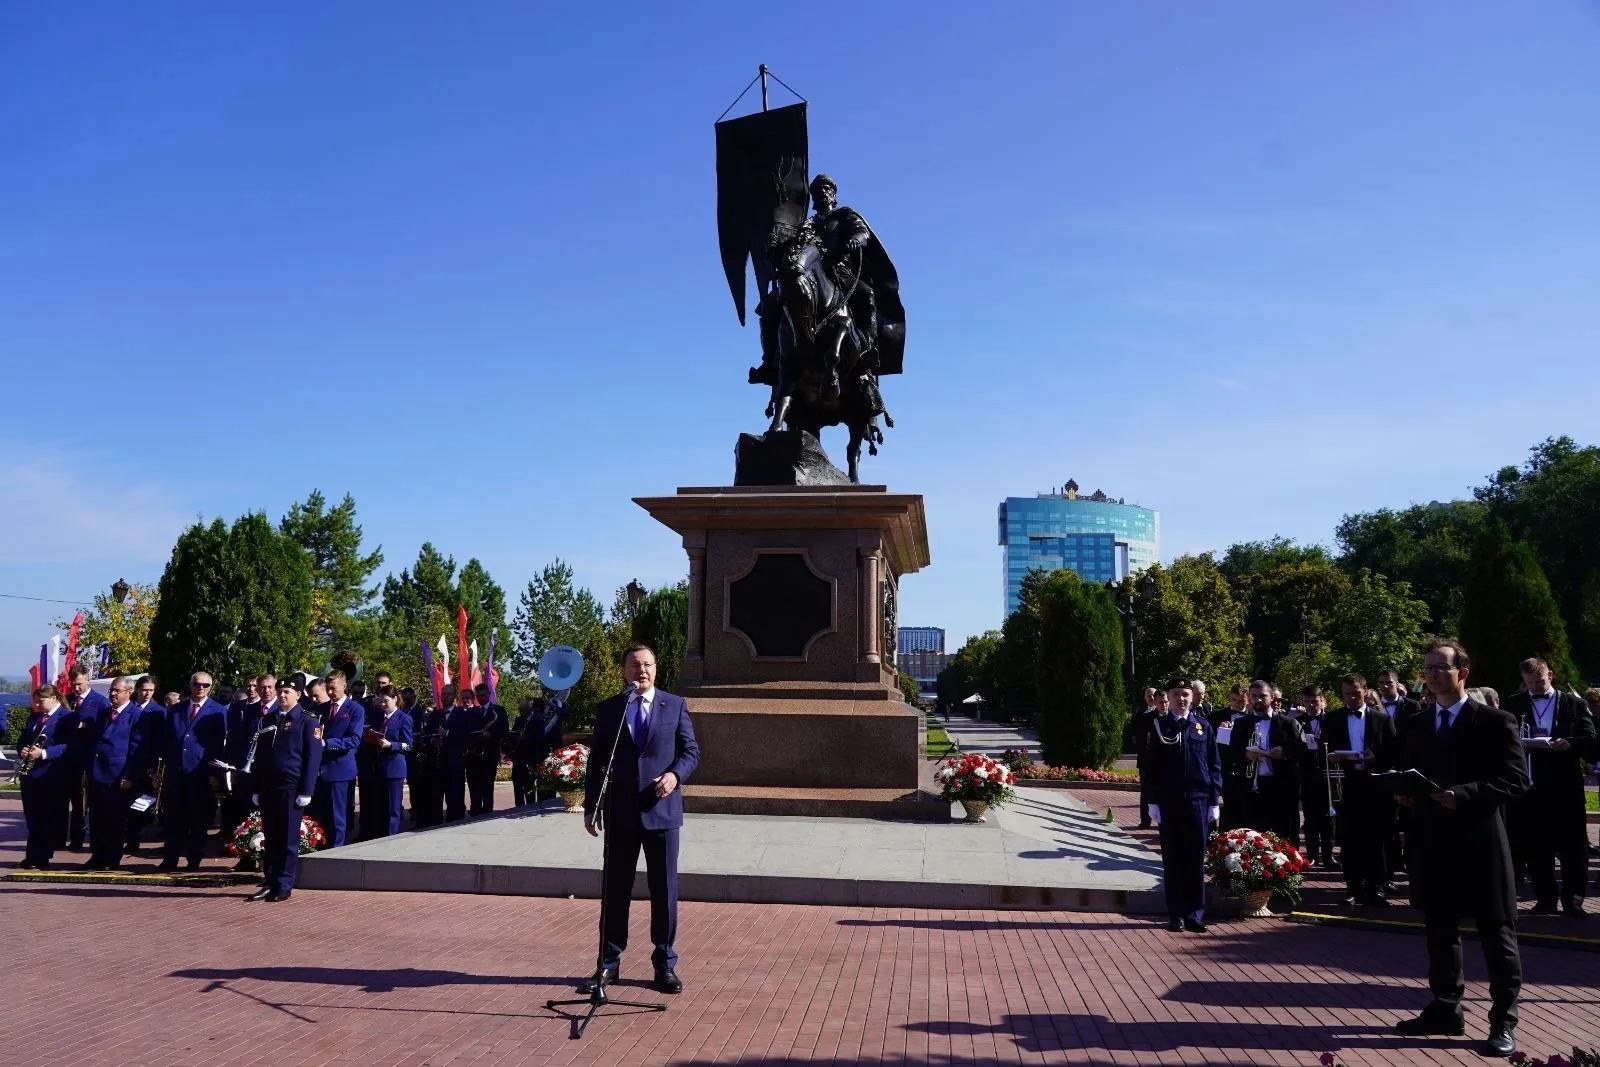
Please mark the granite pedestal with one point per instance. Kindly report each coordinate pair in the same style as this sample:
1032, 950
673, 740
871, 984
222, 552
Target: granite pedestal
789, 666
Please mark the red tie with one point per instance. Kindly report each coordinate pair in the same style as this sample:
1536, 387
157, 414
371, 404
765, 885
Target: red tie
113, 714
194, 712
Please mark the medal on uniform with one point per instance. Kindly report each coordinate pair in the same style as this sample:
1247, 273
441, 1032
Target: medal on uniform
1199, 730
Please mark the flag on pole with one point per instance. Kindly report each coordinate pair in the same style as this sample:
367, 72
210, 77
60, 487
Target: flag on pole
72, 647
433, 674
491, 676
33, 676
41, 673
461, 648
58, 658
474, 674
444, 662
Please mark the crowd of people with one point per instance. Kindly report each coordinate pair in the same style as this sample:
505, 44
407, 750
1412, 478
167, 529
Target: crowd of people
1466, 796
102, 771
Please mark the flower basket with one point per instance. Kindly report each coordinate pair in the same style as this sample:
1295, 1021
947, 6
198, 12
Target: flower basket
565, 771
250, 839
572, 801
977, 781
1252, 865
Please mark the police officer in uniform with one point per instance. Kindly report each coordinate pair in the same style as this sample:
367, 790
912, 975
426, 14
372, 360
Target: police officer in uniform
1185, 798
287, 757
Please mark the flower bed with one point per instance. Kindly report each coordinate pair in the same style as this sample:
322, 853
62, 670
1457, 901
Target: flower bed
249, 839
1242, 862
1043, 773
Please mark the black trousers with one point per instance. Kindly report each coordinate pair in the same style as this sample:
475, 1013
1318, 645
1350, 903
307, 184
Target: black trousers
1363, 834
1319, 826
44, 809
77, 821
1275, 807
1555, 828
453, 784
1500, 955
480, 786
108, 818
1183, 856
624, 839
427, 797
280, 852
236, 808
187, 805
524, 776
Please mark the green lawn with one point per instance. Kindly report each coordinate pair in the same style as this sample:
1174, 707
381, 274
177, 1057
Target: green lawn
1591, 799
939, 743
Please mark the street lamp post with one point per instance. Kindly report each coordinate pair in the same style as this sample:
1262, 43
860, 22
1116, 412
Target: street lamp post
120, 590
635, 594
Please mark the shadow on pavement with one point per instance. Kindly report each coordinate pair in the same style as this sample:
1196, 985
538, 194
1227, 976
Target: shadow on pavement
1002, 924
1058, 1033
372, 981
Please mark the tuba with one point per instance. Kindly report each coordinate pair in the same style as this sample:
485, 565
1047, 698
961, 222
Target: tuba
559, 670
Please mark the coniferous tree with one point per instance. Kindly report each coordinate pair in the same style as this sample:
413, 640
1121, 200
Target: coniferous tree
270, 591
1509, 614
662, 622
1080, 696
339, 570
193, 628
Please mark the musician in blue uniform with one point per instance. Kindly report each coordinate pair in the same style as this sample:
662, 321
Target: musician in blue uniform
114, 756
144, 703
194, 733
483, 751
1185, 797
342, 722
288, 752
45, 748
88, 705
655, 753
537, 734
459, 719
387, 744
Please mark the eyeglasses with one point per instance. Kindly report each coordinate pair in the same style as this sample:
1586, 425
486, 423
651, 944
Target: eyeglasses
1436, 668
200, 685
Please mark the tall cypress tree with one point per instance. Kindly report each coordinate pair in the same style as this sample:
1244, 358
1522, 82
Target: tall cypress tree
1080, 696
270, 587
195, 621
1508, 614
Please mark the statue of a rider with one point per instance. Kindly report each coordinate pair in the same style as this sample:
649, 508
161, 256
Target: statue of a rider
860, 267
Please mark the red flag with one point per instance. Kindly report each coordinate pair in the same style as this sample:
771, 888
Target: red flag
63, 682
33, 676
461, 647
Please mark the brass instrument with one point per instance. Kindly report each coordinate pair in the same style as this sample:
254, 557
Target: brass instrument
160, 782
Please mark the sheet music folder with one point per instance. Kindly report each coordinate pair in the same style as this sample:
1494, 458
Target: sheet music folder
1412, 783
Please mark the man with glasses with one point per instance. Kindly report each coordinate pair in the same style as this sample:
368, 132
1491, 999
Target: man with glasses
195, 733
1461, 858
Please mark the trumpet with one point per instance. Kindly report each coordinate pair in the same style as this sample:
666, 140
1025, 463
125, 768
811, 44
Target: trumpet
25, 764
161, 778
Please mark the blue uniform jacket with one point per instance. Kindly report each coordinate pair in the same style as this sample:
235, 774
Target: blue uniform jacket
55, 733
194, 736
459, 721
1183, 762
341, 736
114, 753
290, 756
391, 762
668, 746
88, 709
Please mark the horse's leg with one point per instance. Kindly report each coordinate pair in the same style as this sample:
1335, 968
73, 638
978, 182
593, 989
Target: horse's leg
830, 367
853, 453
778, 409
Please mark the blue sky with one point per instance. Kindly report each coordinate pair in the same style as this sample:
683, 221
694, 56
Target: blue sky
1256, 266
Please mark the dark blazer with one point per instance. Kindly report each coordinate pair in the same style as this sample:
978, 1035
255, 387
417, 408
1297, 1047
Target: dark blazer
291, 756
192, 735
1462, 859
88, 710
391, 762
56, 733
1144, 722
244, 718
1284, 733
1557, 776
538, 731
1404, 708
341, 736
669, 746
1183, 762
1381, 738
115, 752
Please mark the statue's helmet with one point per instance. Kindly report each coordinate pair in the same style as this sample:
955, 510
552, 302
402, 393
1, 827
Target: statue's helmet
822, 181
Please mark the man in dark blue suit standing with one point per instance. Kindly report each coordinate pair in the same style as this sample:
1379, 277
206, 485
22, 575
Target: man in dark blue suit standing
114, 756
655, 753
342, 723
288, 751
1185, 797
195, 734
88, 705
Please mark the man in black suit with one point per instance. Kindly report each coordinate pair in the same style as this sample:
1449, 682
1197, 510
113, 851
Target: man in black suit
1269, 747
1399, 706
1371, 735
1460, 855
1549, 822
1144, 723
1234, 794
655, 752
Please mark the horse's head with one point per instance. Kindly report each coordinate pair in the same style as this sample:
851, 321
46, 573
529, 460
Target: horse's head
803, 283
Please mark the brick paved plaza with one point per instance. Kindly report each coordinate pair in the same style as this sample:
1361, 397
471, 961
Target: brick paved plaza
107, 975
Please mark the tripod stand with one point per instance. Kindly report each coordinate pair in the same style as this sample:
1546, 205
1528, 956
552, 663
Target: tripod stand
597, 998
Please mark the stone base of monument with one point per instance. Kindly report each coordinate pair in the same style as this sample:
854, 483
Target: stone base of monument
788, 667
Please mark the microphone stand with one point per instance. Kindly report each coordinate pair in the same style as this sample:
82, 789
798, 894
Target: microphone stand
597, 998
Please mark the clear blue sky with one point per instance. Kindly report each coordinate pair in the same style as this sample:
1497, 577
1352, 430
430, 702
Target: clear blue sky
1256, 266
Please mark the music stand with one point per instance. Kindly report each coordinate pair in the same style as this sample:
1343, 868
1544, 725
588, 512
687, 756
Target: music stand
597, 998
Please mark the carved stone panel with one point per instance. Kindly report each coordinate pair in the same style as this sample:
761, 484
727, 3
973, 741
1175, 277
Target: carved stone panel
780, 605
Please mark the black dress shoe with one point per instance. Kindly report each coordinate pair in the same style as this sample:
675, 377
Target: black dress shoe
1573, 909
276, 897
1175, 925
1350, 901
1375, 901
1429, 1023
1194, 926
607, 977
260, 894
91, 865
667, 981
27, 865
1146, 825
193, 865
1502, 1041
1542, 909
167, 865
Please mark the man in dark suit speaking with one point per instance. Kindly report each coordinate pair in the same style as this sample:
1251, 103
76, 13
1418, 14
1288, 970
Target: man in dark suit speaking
655, 753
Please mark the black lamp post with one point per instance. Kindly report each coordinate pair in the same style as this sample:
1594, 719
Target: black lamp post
1305, 626
635, 594
120, 590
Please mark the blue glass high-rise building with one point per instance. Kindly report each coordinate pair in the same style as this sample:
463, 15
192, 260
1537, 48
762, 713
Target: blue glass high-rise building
1099, 538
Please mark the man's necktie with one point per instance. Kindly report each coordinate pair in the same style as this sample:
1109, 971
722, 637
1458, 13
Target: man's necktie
640, 724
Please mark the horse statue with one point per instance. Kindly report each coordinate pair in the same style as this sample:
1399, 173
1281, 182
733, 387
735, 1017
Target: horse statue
825, 364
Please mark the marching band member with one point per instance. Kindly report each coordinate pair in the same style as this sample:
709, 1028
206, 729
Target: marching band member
1314, 777
1185, 797
457, 725
194, 733
287, 757
388, 741
1268, 745
1363, 829
427, 782
45, 751
114, 755
1558, 732
87, 705
342, 723
1235, 792
483, 753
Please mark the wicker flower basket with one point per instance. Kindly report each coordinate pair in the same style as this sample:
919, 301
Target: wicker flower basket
1254, 904
572, 801
975, 810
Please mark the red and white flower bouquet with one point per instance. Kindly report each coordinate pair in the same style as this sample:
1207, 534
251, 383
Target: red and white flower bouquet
1245, 862
565, 770
249, 839
977, 781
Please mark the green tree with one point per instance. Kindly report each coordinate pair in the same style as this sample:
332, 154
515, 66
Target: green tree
193, 625
1508, 614
1427, 546
1552, 502
662, 622
1012, 690
910, 691
339, 570
1080, 697
553, 611
410, 596
124, 628
1308, 663
1255, 557
270, 589
1189, 625
969, 672
1376, 624
485, 602
1286, 597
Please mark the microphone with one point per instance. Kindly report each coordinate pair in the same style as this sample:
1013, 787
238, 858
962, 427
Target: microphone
629, 689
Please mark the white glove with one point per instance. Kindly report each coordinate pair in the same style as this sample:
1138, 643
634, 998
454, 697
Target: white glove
1155, 814
301, 802
255, 798
1214, 813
